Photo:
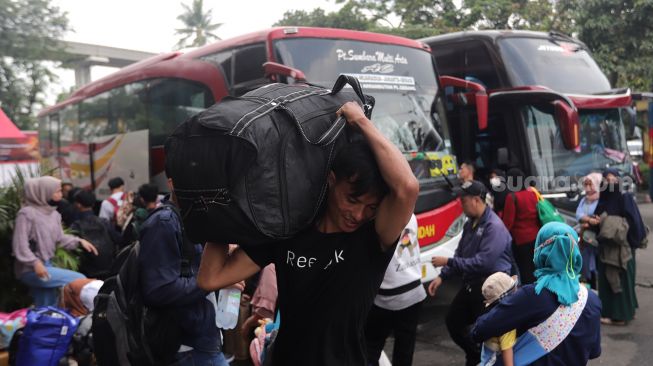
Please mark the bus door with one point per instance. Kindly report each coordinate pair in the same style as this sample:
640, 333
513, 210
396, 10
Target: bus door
545, 135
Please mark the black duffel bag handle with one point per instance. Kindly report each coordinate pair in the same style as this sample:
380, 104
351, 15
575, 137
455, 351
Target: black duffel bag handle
344, 79
330, 135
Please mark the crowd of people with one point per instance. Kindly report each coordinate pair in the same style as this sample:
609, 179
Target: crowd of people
334, 293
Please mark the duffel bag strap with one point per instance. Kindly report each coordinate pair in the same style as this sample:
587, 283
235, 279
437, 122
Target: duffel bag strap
328, 137
268, 107
344, 79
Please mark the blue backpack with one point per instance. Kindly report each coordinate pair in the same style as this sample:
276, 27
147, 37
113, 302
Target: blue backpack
46, 337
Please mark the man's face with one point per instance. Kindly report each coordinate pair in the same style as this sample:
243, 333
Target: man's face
344, 210
65, 188
465, 173
471, 205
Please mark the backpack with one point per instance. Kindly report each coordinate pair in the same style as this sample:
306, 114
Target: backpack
237, 166
82, 342
9, 324
122, 213
46, 337
96, 231
125, 331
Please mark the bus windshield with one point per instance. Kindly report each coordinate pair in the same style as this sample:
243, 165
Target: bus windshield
402, 81
562, 66
602, 144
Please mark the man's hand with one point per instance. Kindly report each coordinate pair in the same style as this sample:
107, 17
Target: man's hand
249, 325
88, 246
240, 286
352, 112
594, 220
41, 271
439, 261
434, 285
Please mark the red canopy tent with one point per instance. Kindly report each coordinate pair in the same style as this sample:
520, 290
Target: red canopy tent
7, 128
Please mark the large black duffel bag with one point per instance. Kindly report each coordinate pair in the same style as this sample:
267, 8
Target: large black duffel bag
253, 169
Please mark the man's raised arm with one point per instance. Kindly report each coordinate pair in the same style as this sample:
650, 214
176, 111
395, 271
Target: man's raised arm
397, 207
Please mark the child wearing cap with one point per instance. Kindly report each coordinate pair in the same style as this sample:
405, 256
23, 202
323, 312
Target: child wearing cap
495, 288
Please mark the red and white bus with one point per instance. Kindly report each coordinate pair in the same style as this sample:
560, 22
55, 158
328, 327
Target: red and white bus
532, 79
116, 126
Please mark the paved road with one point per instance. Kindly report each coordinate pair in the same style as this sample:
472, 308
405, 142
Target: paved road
622, 346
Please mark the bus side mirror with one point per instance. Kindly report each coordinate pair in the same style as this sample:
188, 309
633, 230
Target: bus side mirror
479, 93
568, 121
274, 68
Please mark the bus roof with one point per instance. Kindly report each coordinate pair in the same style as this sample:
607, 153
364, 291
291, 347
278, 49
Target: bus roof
494, 35
304, 32
170, 64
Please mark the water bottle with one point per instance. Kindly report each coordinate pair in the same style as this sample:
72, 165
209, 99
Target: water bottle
228, 308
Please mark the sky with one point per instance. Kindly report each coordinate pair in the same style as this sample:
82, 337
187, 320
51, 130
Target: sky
149, 25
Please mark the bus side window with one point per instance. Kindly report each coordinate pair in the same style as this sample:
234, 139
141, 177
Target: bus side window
127, 108
94, 118
468, 60
248, 68
222, 60
170, 102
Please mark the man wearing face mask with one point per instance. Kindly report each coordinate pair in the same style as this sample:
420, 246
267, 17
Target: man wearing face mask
498, 190
483, 250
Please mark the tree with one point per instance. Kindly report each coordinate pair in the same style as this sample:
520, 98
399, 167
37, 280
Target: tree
197, 24
29, 30
348, 17
620, 35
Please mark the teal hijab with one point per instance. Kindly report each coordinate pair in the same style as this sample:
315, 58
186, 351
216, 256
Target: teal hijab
558, 262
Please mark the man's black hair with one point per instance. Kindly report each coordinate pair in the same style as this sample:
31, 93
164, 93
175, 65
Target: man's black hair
116, 182
85, 198
71, 194
356, 164
148, 192
499, 172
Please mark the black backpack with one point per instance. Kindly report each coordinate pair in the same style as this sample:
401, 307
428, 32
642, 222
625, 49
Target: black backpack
125, 331
96, 231
254, 169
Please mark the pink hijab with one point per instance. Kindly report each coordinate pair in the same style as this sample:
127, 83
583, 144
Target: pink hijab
595, 179
38, 191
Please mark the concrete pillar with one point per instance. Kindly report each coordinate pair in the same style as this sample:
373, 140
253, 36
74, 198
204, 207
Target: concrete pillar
82, 74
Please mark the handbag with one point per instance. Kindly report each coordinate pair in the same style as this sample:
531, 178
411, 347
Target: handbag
546, 212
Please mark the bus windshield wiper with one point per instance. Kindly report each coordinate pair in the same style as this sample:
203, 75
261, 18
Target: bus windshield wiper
555, 37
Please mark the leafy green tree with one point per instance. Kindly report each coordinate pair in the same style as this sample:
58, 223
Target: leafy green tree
620, 35
197, 26
28, 33
348, 17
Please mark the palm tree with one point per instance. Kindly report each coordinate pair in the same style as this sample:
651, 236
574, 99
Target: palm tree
197, 24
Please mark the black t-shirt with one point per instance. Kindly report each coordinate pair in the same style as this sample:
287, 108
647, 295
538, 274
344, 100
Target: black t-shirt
327, 284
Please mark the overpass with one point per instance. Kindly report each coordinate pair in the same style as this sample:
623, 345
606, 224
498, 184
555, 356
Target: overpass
81, 56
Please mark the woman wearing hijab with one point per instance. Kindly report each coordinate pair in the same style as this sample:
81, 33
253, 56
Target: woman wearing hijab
618, 307
37, 232
584, 212
557, 320
521, 219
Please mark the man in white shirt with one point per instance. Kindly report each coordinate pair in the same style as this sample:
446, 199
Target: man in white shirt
110, 206
396, 307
